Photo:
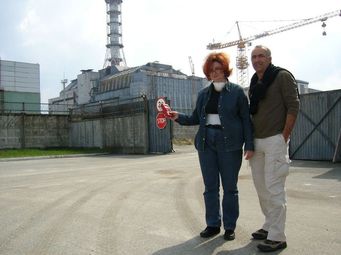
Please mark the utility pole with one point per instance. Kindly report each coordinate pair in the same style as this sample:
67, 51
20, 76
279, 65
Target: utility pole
64, 81
191, 65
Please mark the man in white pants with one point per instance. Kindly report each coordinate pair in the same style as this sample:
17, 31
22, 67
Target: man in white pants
274, 105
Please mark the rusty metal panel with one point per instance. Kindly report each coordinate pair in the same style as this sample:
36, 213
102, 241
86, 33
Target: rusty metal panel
317, 128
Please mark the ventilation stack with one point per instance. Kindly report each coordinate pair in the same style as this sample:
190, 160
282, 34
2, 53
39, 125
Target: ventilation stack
115, 55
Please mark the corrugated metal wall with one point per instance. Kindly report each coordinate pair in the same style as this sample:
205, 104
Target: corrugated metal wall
182, 93
160, 140
318, 125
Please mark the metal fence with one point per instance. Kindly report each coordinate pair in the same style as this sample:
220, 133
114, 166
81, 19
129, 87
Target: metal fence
111, 106
25, 107
317, 131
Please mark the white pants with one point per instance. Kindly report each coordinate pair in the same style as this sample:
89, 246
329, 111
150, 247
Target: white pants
270, 167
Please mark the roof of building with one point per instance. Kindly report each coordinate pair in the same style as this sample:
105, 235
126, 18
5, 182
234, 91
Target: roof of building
71, 85
123, 72
151, 67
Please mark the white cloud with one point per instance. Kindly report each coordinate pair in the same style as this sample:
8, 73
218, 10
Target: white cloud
32, 29
29, 21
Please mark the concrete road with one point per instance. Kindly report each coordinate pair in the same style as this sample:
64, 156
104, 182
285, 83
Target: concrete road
136, 205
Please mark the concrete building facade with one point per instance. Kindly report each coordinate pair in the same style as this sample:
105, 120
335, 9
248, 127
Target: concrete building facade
303, 87
76, 93
153, 80
120, 83
19, 86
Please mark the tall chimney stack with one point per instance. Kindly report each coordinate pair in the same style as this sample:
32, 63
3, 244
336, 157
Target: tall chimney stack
115, 54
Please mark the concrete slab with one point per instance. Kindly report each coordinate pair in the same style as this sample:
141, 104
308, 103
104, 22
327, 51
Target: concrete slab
151, 204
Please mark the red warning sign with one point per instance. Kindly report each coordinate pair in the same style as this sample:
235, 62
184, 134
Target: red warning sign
160, 101
161, 120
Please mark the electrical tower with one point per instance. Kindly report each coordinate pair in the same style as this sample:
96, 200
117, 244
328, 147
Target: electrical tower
114, 55
242, 60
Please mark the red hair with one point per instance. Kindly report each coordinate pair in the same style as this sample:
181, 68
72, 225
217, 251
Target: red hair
222, 58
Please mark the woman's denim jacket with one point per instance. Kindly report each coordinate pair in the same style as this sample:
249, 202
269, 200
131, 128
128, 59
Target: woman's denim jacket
233, 110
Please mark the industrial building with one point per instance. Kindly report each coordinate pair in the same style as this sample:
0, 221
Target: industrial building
19, 86
76, 93
303, 87
117, 81
115, 107
152, 80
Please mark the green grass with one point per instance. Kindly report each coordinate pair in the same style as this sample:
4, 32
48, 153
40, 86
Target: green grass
14, 153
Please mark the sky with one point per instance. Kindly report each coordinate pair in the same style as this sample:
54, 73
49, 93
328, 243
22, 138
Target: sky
66, 36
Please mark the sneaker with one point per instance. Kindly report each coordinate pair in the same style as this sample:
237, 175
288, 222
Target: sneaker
260, 234
269, 245
210, 231
229, 235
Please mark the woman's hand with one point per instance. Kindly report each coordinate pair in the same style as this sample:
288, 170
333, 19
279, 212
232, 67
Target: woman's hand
174, 115
248, 154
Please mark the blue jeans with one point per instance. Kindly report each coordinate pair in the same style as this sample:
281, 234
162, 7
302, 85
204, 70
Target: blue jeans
215, 162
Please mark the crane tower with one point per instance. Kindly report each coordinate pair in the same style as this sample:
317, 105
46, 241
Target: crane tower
115, 54
241, 59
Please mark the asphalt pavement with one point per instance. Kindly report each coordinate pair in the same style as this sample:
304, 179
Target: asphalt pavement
153, 205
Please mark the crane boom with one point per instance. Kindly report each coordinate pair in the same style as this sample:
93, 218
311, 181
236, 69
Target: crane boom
242, 60
324, 17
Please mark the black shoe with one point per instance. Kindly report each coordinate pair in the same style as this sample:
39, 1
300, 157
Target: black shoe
210, 231
268, 245
260, 234
229, 234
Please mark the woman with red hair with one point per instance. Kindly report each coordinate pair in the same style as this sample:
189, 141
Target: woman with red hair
222, 113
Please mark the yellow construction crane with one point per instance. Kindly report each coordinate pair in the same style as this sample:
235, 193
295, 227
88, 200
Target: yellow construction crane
242, 61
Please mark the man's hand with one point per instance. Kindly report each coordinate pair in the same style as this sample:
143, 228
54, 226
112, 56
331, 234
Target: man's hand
286, 137
248, 154
289, 125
